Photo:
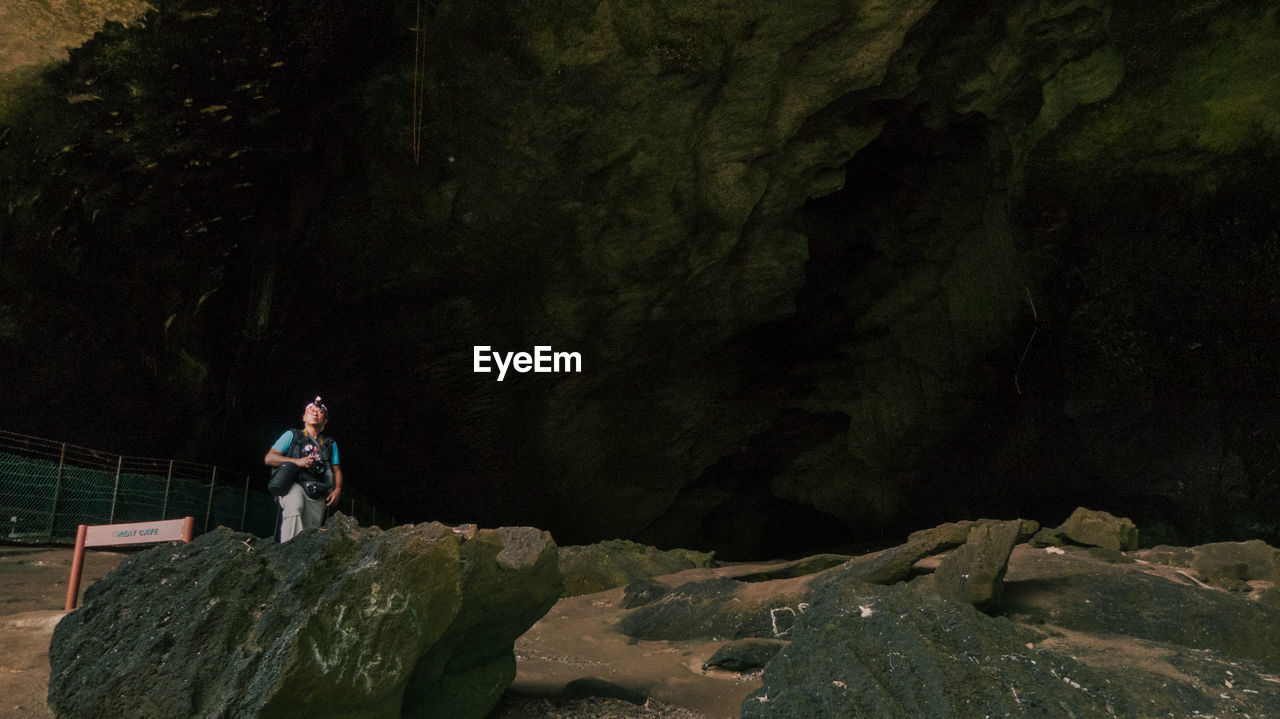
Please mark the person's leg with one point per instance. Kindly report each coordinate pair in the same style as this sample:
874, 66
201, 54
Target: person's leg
312, 512
291, 507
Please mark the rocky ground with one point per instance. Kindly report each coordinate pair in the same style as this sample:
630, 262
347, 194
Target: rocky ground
1154, 632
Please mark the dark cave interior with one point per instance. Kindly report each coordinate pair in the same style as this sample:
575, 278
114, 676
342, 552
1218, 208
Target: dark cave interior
820, 316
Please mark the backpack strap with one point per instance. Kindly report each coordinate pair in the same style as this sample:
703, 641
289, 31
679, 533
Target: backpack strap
300, 436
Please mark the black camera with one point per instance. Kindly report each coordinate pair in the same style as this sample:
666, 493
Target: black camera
315, 490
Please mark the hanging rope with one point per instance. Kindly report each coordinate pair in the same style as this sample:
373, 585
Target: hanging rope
1035, 319
419, 79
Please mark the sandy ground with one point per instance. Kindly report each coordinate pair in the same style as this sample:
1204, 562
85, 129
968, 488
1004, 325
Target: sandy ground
36, 32
33, 592
578, 639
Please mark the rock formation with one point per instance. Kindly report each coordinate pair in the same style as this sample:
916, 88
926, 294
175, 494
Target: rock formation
340, 622
614, 563
974, 572
1100, 529
864, 651
832, 269
992, 625
744, 654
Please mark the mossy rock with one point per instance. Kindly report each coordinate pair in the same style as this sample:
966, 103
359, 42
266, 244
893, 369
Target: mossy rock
596, 567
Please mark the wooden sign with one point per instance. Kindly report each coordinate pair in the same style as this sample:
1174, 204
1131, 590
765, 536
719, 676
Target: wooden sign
106, 535
110, 535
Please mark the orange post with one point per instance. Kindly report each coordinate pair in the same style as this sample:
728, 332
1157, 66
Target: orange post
77, 564
188, 528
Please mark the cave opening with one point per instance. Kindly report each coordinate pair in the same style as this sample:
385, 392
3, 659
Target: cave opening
909, 198
736, 507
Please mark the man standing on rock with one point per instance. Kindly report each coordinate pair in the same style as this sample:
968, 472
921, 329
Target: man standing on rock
306, 475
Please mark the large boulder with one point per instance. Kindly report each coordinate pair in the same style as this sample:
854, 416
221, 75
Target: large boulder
1119, 643
720, 608
953, 534
992, 540
641, 592
1223, 564
795, 568
614, 563
889, 652
1095, 528
1083, 595
339, 622
744, 654
1235, 563
884, 567
509, 581
736, 607
974, 572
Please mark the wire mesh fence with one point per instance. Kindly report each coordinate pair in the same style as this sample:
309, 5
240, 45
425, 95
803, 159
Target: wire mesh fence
49, 488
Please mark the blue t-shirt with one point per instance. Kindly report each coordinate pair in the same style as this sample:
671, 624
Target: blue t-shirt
286, 439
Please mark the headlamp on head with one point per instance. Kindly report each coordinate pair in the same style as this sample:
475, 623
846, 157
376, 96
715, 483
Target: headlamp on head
319, 404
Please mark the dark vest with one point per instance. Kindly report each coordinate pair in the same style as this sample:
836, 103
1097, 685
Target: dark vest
304, 446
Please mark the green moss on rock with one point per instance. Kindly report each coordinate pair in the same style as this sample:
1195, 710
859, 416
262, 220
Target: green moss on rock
615, 563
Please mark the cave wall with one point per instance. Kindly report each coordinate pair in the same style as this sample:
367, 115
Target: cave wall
1150, 229
834, 271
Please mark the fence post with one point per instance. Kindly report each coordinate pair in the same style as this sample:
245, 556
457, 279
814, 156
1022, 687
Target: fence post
208, 509
168, 481
57, 488
115, 491
244, 509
